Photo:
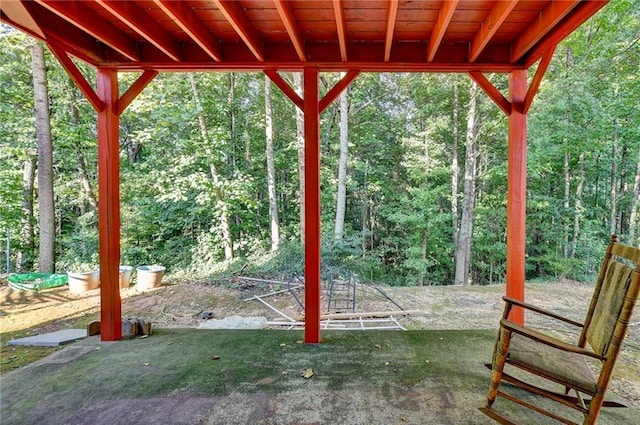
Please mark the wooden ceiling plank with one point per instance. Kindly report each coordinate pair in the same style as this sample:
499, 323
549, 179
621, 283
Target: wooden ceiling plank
550, 16
76, 13
139, 21
341, 27
17, 12
192, 26
77, 76
497, 15
338, 88
285, 87
136, 88
537, 78
66, 36
444, 17
391, 24
288, 19
579, 15
491, 91
233, 13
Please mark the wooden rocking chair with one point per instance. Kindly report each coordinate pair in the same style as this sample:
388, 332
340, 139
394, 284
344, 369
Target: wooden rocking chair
603, 331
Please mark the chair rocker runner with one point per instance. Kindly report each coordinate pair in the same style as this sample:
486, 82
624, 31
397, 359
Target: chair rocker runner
601, 336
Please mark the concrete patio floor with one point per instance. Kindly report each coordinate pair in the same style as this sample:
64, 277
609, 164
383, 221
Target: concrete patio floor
190, 376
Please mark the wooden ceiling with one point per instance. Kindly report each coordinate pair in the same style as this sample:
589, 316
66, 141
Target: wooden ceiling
369, 35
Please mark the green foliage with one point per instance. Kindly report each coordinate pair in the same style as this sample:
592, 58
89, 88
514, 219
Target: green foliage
398, 224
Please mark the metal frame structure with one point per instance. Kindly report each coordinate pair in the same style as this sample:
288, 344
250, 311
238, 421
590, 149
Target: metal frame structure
151, 36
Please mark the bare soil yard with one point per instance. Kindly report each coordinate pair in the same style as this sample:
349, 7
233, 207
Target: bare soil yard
181, 305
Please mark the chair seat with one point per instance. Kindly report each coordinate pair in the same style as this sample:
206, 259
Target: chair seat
553, 363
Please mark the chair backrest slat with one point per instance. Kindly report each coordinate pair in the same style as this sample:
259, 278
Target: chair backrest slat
608, 306
624, 251
617, 282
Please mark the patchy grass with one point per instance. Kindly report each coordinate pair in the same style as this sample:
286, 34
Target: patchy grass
15, 357
423, 376
181, 362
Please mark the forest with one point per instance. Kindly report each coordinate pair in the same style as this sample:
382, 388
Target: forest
413, 168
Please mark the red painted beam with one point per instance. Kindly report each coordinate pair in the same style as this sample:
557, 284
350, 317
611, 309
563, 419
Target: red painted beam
551, 15
498, 13
444, 17
329, 66
109, 207
192, 26
234, 14
60, 33
77, 76
341, 28
391, 24
337, 89
312, 206
133, 91
517, 191
76, 12
138, 20
537, 78
491, 91
578, 16
285, 87
288, 19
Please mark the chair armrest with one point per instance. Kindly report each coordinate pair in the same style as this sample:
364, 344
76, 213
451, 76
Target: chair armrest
541, 311
547, 340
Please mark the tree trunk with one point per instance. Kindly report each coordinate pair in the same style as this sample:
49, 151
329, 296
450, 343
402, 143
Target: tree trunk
455, 169
271, 172
84, 178
463, 251
614, 185
623, 189
232, 116
567, 191
221, 206
577, 215
423, 257
24, 260
633, 217
365, 208
82, 164
297, 82
45, 161
342, 165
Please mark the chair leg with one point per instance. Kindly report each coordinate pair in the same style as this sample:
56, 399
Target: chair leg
498, 365
594, 408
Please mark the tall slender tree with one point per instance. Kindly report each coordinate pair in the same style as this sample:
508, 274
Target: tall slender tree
635, 198
455, 168
341, 202
24, 261
299, 88
45, 160
463, 249
87, 187
271, 172
225, 226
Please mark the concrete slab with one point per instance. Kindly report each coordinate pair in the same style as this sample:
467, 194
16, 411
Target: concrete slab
52, 339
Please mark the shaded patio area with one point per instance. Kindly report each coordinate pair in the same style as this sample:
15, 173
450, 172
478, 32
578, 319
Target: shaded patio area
189, 376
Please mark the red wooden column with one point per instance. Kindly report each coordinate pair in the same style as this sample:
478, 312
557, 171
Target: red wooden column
516, 190
312, 206
109, 206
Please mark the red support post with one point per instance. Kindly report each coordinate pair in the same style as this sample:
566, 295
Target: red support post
516, 190
109, 206
312, 206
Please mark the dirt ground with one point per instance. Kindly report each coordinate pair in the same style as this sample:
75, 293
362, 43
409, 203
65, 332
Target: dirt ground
185, 304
